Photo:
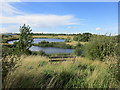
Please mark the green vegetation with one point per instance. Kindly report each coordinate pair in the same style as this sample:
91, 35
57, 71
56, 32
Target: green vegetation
42, 53
6, 38
100, 46
79, 49
68, 40
21, 46
37, 72
7, 50
54, 44
25, 40
96, 64
83, 37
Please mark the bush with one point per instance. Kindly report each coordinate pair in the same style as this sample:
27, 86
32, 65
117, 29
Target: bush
78, 49
42, 53
118, 57
83, 37
4, 41
100, 46
68, 40
7, 50
43, 42
9, 64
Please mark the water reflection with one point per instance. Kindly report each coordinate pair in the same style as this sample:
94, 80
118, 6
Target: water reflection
50, 50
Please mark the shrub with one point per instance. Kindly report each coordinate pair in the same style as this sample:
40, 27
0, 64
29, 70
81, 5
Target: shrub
34, 53
83, 37
9, 64
8, 50
42, 53
78, 49
68, 40
118, 57
100, 46
43, 42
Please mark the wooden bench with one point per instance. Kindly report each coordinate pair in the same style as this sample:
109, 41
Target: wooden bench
56, 60
61, 59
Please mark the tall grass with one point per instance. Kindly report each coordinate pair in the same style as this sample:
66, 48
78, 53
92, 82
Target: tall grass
37, 72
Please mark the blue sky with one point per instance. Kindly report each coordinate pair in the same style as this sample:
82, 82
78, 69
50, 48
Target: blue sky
63, 17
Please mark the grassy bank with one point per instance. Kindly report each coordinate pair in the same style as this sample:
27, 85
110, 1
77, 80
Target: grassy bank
37, 72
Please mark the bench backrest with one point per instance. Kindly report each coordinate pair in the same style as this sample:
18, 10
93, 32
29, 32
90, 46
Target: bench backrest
63, 57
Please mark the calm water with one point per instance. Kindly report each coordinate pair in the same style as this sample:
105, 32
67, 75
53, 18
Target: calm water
36, 40
48, 50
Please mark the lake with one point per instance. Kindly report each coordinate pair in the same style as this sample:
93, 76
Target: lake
36, 40
48, 50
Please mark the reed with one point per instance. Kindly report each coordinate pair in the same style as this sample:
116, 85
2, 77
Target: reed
38, 72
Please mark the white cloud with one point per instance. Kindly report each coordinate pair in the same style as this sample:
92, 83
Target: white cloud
41, 20
11, 15
9, 29
98, 28
71, 27
68, 0
6, 9
10, 0
3, 30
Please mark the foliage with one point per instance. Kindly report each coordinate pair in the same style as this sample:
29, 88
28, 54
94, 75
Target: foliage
4, 40
8, 50
118, 56
36, 71
78, 52
83, 37
67, 40
43, 42
6, 36
100, 46
42, 53
79, 49
8, 64
25, 40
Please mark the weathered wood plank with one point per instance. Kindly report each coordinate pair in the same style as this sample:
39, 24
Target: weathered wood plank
63, 57
56, 60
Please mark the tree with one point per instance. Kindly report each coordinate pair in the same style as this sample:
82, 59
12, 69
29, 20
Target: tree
25, 39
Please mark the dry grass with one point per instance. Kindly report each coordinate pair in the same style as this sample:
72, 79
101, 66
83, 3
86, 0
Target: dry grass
36, 68
51, 36
4, 44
